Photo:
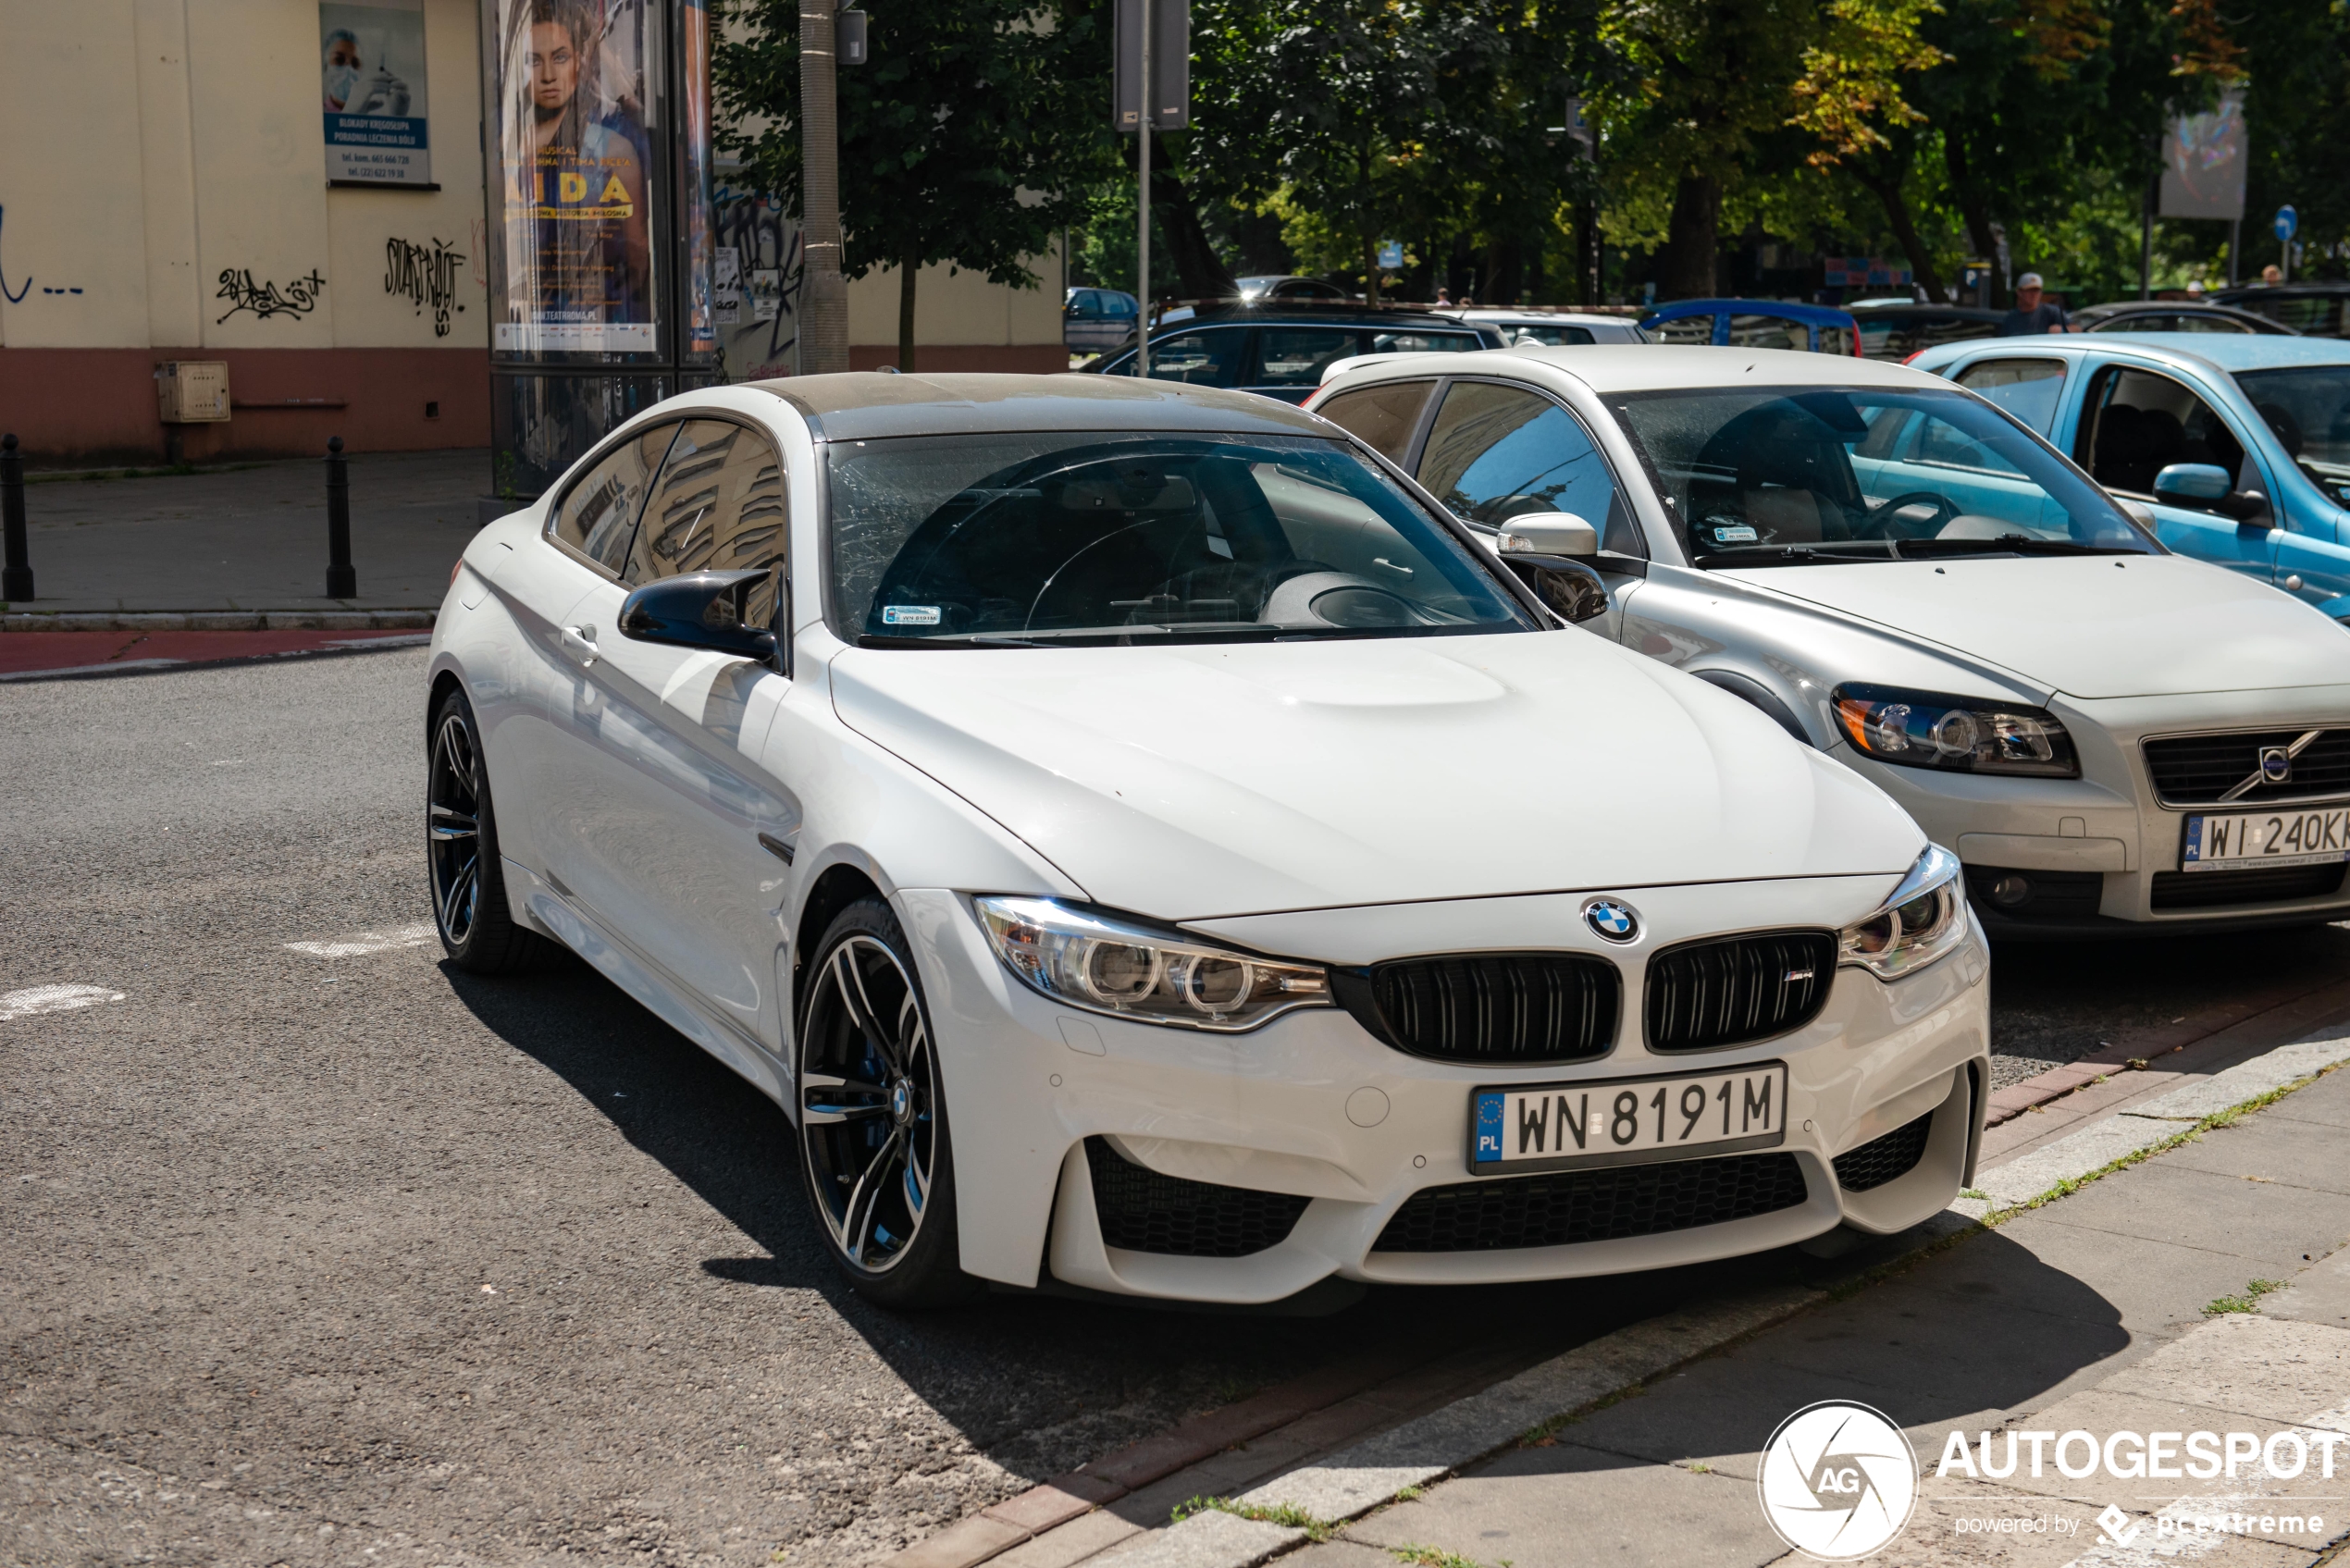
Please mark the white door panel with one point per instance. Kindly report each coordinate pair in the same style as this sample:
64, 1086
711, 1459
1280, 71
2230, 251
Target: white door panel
536, 588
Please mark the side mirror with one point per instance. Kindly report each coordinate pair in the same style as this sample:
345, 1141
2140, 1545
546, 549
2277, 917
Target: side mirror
699, 610
2207, 486
1548, 533
1572, 589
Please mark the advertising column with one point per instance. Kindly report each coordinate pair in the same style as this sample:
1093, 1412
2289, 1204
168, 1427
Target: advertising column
598, 216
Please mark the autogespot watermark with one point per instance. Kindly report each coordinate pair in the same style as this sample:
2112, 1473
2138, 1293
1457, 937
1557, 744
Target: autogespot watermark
1839, 1482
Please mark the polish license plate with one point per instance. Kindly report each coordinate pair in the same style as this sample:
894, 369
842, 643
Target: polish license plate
1626, 1121
2313, 835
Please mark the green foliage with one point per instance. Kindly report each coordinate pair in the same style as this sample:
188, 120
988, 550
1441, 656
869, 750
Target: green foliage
2248, 1301
971, 138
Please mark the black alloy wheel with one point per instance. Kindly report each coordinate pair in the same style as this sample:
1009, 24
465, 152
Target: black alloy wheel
461, 851
872, 1120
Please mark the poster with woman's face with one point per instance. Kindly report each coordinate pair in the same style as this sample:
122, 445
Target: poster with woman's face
371, 88
576, 176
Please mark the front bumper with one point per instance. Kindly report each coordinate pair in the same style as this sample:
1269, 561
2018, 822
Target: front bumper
1313, 1106
2101, 853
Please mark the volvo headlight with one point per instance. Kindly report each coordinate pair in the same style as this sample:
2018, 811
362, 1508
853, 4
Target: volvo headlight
1925, 920
1921, 729
1105, 965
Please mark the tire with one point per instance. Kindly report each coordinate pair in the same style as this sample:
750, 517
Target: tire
872, 1129
467, 879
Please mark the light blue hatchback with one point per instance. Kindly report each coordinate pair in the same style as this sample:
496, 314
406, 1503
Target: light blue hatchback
2236, 449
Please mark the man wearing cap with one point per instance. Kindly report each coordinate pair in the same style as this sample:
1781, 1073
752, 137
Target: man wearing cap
2031, 316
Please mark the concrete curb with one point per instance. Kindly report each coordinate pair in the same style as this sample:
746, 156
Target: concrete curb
217, 621
2143, 1126
1211, 1540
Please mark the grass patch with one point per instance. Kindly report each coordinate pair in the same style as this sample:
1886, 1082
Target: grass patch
2248, 1301
1409, 1494
1428, 1556
1977, 1194
1284, 1514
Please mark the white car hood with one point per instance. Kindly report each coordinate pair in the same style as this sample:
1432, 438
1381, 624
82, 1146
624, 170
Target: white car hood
1190, 781
2152, 626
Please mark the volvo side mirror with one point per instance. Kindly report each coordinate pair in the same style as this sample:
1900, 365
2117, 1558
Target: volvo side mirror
1548, 533
699, 610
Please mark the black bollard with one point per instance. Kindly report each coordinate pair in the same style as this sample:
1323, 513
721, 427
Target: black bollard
16, 579
342, 582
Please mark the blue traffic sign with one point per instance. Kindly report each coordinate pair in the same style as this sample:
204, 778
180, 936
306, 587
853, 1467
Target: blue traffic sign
2288, 223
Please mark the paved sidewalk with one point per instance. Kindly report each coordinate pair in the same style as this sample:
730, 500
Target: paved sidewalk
2092, 1313
251, 539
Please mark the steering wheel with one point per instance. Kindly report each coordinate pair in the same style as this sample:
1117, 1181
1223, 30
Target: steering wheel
1885, 521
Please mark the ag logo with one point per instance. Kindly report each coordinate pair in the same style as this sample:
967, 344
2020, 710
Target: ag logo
1612, 919
1838, 1481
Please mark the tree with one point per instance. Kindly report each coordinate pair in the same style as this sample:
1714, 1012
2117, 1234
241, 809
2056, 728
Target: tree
966, 140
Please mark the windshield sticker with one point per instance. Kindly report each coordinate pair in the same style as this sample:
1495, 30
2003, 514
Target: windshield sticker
1733, 534
909, 615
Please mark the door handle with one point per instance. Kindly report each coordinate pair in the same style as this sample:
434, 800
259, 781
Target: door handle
580, 643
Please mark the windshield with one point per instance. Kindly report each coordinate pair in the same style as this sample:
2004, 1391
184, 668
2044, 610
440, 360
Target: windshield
1768, 476
1069, 537
2309, 410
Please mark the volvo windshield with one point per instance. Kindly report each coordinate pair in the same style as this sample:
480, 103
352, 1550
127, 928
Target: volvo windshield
1790, 476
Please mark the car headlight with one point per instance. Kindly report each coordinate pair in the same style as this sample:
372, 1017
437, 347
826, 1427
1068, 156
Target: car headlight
1103, 964
1922, 729
1925, 920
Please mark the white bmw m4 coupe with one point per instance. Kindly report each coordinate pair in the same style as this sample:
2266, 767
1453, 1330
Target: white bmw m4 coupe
1142, 842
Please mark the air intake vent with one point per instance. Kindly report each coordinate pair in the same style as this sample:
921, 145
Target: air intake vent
1144, 1212
1510, 1009
1885, 1159
2198, 770
1727, 991
2265, 884
1568, 1206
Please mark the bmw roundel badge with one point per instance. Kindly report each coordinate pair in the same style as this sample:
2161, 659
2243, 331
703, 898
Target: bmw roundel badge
1612, 919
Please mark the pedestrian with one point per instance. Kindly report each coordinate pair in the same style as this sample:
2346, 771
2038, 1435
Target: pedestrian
2271, 274
2032, 316
1444, 294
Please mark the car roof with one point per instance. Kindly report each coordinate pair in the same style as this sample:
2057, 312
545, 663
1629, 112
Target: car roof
2282, 290
1814, 315
1869, 310
865, 404
1534, 317
1308, 312
2237, 351
1645, 367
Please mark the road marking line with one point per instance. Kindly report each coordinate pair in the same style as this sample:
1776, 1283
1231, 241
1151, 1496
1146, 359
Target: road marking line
368, 942
52, 999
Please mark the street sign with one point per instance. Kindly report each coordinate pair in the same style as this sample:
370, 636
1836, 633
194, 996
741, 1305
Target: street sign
849, 35
1391, 253
2288, 223
1171, 55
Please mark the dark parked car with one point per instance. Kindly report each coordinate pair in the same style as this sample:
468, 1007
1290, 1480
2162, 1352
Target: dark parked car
1754, 324
2314, 310
1895, 329
1094, 320
2175, 315
1281, 348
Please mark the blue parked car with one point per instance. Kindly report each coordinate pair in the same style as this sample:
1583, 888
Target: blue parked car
1755, 323
2236, 449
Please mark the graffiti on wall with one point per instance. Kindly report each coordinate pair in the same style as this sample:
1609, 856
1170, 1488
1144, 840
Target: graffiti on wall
15, 296
762, 339
426, 276
299, 297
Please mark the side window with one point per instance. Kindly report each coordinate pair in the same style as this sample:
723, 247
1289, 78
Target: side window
2025, 388
1556, 337
1295, 356
1683, 330
1497, 451
1425, 343
1837, 341
718, 507
2141, 423
598, 513
1204, 359
1384, 415
1770, 332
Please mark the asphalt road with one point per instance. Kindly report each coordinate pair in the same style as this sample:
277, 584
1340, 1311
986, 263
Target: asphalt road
340, 1256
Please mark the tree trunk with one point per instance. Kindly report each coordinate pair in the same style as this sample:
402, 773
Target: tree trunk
1685, 270
1888, 190
1200, 273
823, 295
1370, 269
1972, 207
1504, 272
908, 271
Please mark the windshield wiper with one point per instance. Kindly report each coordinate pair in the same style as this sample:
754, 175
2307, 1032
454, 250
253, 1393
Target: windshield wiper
1840, 553
2007, 544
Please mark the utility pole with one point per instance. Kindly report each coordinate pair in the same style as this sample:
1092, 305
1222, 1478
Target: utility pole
1143, 199
823, 295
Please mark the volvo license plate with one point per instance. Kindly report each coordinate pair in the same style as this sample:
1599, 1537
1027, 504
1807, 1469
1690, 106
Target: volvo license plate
2313, 835
1626, 1121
